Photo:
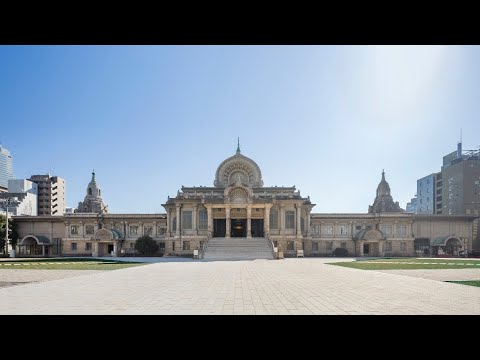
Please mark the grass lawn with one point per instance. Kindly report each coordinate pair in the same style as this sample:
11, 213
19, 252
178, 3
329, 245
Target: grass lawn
66, 264
471, 283
410, 263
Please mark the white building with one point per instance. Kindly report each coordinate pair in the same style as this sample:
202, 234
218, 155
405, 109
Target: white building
24, 197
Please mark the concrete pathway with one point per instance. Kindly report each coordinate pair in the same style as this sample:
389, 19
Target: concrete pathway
290, 286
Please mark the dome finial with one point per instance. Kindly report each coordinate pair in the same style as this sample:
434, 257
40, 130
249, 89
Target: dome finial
93, 175
238, 145
383, 174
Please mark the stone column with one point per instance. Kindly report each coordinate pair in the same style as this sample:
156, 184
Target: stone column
249, 222
114, 248
169, 218
266, 221
299, 221
67, 230
335, 229
177, 230
82, 229
307, 218
155, 232
282, 218
210, 221
227, 221
394, 230
360, 250
194, 218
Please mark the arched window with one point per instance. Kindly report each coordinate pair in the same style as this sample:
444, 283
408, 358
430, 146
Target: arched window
99, 192
89, 191
174, 224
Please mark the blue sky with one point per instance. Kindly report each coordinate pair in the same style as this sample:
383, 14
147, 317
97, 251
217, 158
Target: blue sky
150, 119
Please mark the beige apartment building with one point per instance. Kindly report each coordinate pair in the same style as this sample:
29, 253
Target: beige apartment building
51, 194
238, 206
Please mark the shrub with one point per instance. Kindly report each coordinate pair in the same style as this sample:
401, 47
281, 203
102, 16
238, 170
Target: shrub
340, 252
145, 245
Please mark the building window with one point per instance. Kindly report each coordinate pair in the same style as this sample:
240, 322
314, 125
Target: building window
73, 246
403, 246
358, 227
132, 245
388, 246
343, 229
275, 243
401, 230
315, 246
428, 190
420, 185
74, 230
428, 198
328, 230
290, 245
302, 224
89, 229
161, 246
88, 246
161, 230
274, 219
174, 224
89, 191
428, 207
420, 192
387, 229
203, 220
421, 199
187, 220
133, 230
289, 220
148, 230
316, 229
186, 245
329, 245
343, 245
173, 245
428, 181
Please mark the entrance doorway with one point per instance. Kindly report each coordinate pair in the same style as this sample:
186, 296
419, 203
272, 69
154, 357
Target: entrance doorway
219, 227
239, 228
257, 227
110, 248
366, 249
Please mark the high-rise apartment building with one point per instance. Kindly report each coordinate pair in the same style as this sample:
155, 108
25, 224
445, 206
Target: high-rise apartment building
6, 168
51, 194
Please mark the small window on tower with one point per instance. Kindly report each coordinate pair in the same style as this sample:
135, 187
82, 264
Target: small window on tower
89, 191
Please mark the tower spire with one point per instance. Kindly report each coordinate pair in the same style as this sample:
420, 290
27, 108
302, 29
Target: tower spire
383, 174
93, 175
238, 145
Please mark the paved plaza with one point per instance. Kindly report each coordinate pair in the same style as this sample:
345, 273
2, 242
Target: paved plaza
290, 286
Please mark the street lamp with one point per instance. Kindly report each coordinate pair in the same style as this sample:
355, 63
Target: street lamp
6, 202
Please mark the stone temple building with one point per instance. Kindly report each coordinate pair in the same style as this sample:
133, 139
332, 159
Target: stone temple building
239, 211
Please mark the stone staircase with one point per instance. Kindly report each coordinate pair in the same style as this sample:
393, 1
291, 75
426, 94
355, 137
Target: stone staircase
238, 249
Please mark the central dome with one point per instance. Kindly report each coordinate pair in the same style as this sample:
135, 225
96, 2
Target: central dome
238, 168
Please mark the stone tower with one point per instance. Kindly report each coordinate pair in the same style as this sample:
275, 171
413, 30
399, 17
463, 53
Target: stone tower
93, 202
384, 201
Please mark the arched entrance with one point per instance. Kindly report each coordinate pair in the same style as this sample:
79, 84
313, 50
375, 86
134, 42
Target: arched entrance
106, 242
34, 245
447, 246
